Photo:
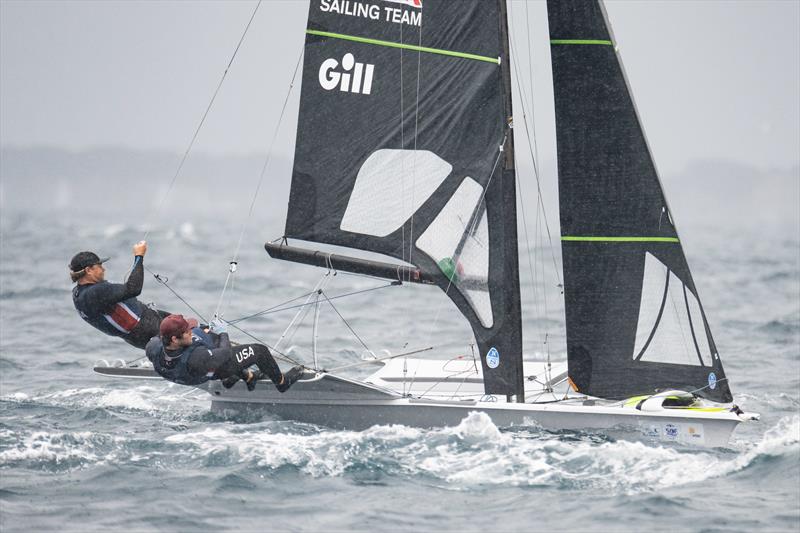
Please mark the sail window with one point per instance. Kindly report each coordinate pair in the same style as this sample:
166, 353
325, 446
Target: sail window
460, 246
391, 185
671, 328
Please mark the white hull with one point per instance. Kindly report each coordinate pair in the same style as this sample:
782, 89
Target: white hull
341, 403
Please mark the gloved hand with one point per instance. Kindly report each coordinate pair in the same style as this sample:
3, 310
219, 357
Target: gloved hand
218, 326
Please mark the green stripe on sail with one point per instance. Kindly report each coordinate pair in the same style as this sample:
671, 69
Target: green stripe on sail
574, 238
581, 41
390, 44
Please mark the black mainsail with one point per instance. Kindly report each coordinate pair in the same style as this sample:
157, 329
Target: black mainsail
402, 149
634, 319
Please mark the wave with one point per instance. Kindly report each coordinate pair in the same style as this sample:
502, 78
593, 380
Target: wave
41, 293
191, 404
789, 328
477, 453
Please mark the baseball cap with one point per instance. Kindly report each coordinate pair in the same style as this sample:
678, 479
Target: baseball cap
175, 326
82, 260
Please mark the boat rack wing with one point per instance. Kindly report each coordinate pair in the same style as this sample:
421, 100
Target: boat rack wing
127, 372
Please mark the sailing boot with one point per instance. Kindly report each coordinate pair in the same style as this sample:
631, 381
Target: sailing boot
250, 379
289, 378
230, 381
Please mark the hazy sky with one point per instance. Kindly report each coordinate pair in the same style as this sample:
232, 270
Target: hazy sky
712, 79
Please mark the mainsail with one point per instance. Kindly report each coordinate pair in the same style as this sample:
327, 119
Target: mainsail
634, 319
403, 148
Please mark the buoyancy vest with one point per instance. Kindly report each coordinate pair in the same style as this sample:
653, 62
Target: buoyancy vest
175, 366
117, 320
199, 335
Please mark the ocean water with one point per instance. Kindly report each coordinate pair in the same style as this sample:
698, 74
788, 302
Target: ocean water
82, 452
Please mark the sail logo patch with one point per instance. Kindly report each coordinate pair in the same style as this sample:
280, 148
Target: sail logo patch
412, 3
493, 358
712, 381
349, 77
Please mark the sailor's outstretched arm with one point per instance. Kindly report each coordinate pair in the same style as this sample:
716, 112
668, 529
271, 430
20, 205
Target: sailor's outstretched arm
104, 295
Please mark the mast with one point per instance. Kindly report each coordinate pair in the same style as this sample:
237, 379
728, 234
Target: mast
511, 263
505, 66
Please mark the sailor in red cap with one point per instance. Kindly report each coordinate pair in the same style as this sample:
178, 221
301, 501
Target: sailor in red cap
112, 307
186, 354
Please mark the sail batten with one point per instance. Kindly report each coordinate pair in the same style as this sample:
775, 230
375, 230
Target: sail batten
405, 46
584, 238
603, 42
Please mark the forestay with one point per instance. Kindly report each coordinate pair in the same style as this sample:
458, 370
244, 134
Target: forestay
635, 323
402, 149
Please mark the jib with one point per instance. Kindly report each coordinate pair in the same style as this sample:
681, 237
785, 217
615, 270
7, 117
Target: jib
241, 355
359, 74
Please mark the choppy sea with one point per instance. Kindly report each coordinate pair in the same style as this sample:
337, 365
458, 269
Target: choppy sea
82, 452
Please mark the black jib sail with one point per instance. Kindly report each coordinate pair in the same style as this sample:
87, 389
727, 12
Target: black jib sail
635, 324
401, 144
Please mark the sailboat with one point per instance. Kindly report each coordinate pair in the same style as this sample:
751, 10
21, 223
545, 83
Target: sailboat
433, 189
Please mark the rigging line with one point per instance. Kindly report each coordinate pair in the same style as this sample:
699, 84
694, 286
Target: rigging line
527, 239
446, 379
164, 281
303, 314
402, 147
540, 204
708, 386
534, 159
416, 132
532, 98
531, 253
273, 350
378, 359
266, 311
199, 126
129, 363
278, 308
260, 179
346, 323
304, 308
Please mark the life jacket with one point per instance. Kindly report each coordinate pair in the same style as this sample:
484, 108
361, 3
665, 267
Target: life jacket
118, 320
199, 335
175, 366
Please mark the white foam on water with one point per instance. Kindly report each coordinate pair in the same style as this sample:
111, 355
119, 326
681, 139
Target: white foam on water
780, 400
52, 447
476, 453
16, 397
320, 454
173, 399
781, 439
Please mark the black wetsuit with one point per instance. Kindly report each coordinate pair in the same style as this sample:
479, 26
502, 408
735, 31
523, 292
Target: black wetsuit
210, 356
113, 308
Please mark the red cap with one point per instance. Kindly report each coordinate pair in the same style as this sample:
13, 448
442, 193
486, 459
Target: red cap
175, 326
